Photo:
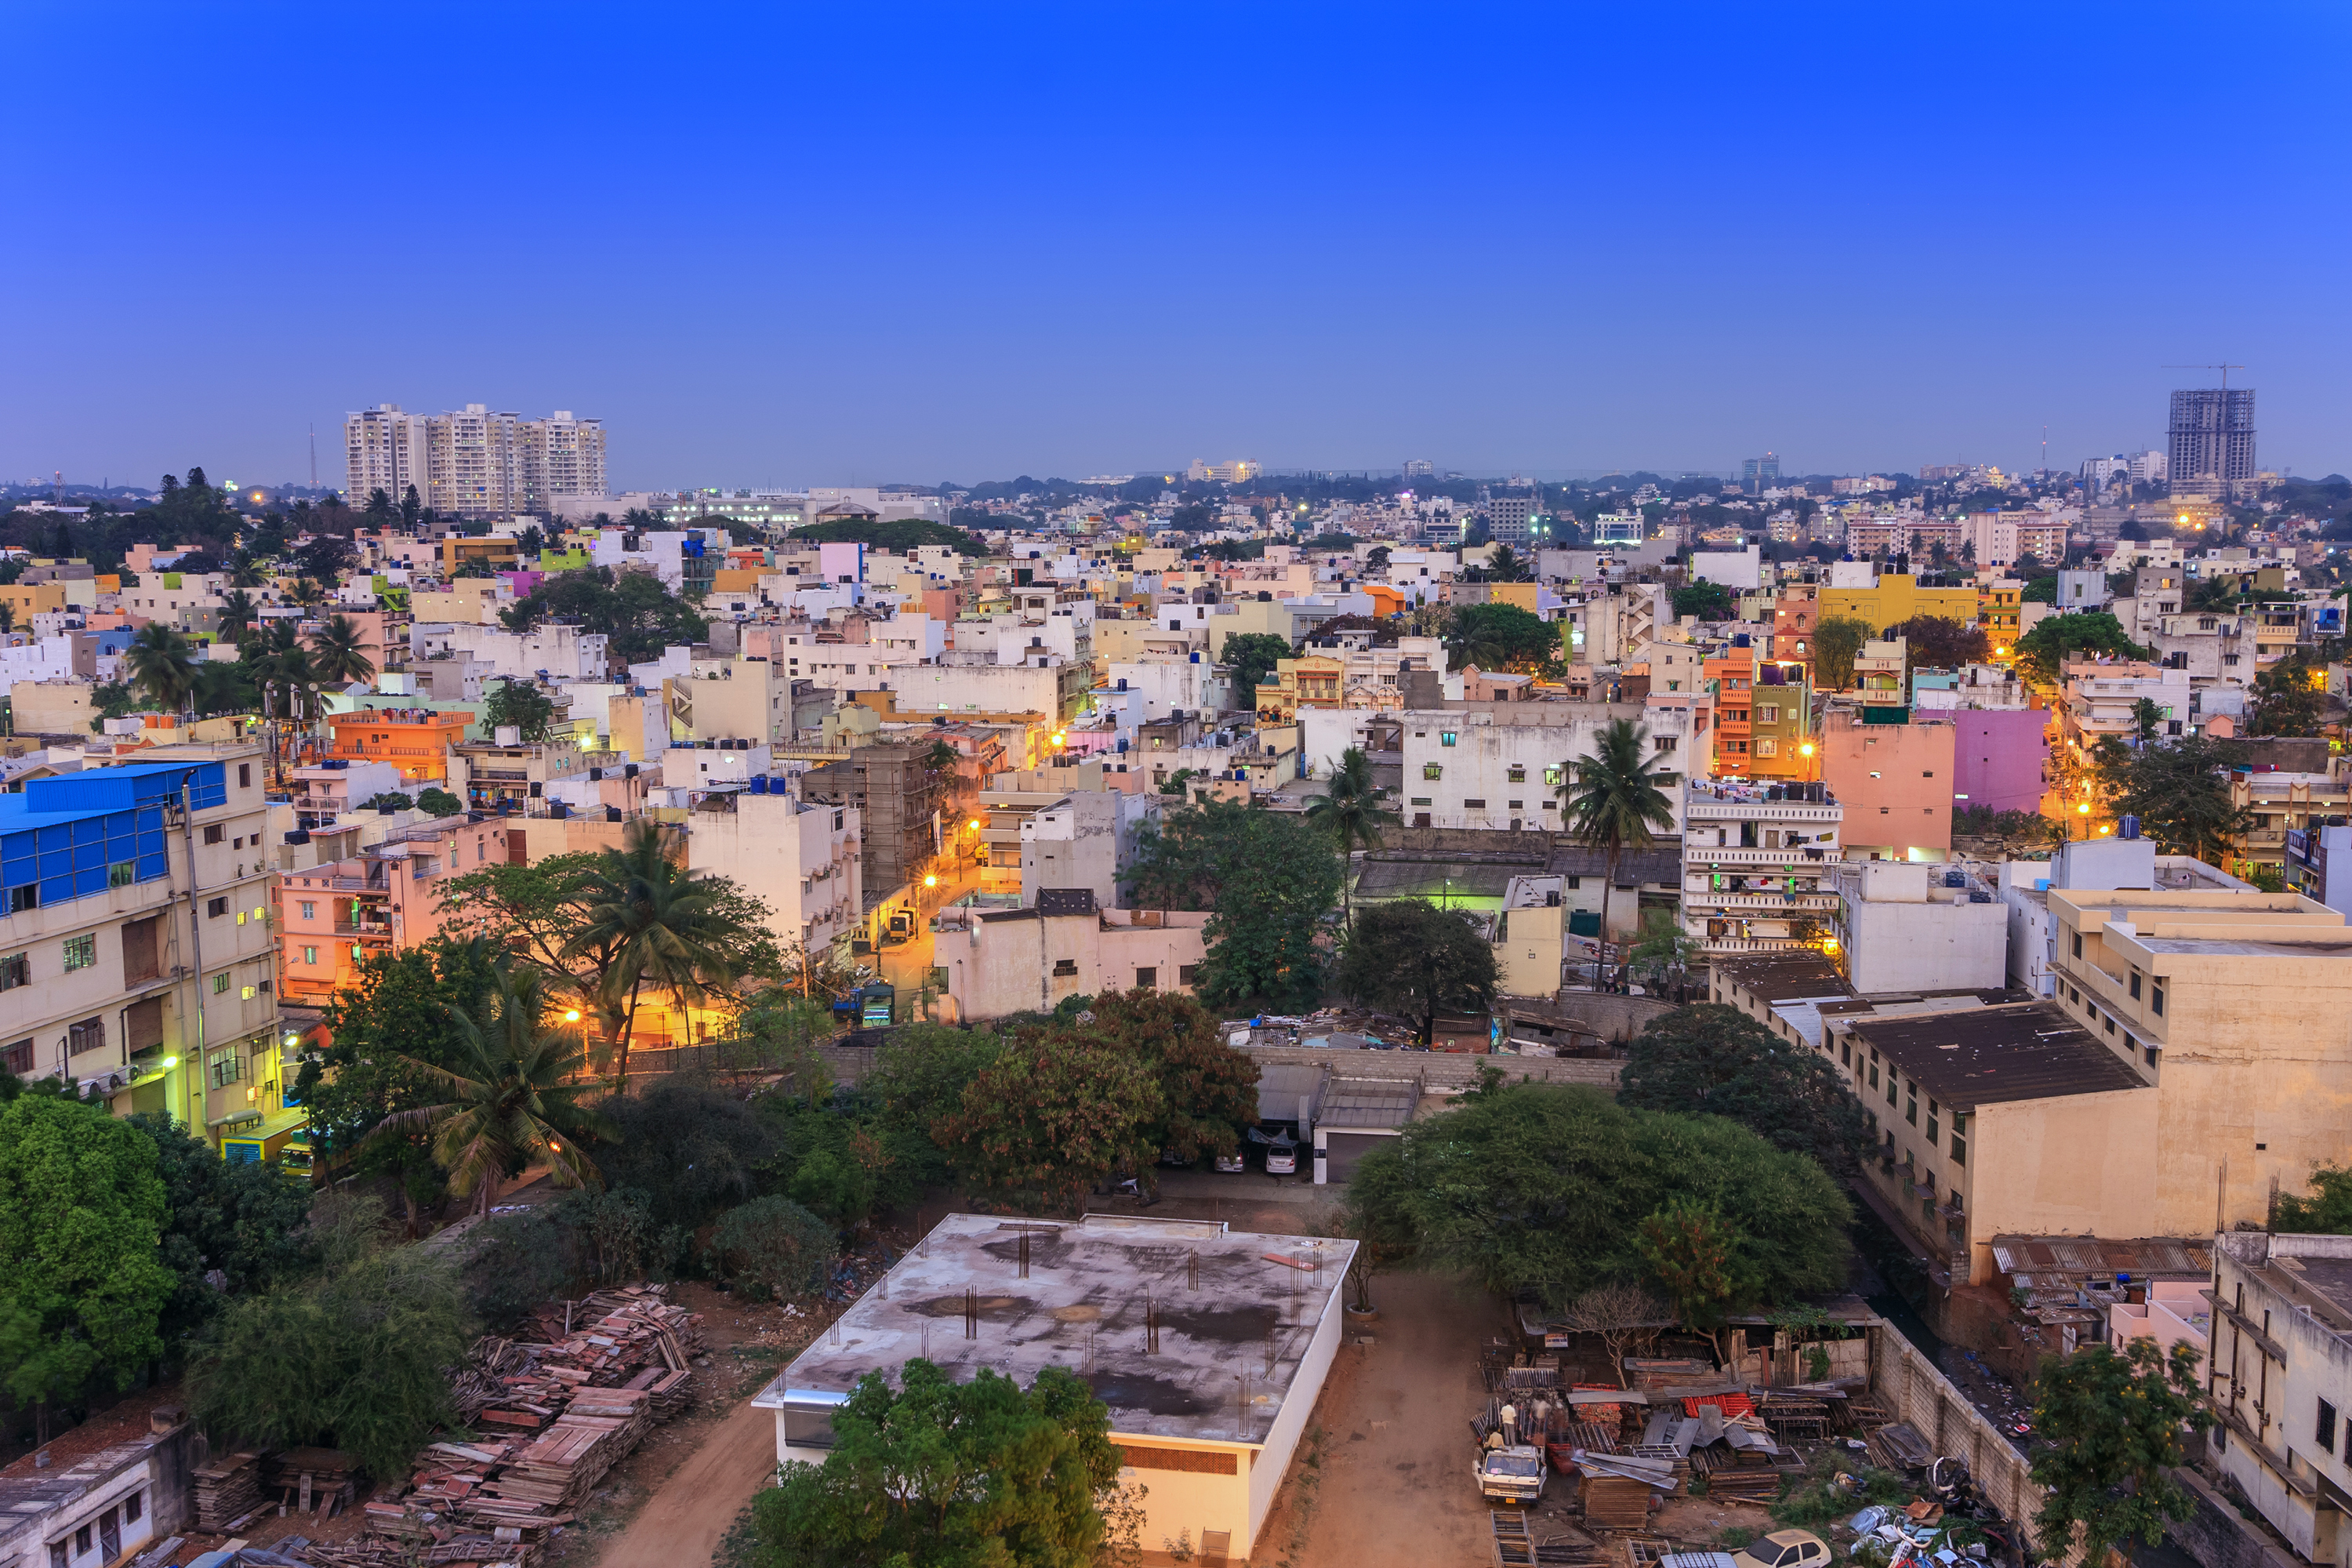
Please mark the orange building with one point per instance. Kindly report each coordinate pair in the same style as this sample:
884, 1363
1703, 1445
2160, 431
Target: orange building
1894, 781
417, 740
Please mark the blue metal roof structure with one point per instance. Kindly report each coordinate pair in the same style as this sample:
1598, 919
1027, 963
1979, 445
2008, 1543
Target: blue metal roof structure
77, 834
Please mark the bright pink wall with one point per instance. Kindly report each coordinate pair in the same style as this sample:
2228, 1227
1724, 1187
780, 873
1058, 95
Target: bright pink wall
1997, 757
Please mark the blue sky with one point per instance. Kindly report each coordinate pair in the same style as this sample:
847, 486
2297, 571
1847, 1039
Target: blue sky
859, 244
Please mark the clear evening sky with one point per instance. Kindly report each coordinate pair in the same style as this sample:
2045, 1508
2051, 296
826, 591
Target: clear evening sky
853, 244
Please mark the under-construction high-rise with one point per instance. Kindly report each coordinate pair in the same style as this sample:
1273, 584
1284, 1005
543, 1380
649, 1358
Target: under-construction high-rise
2213, 447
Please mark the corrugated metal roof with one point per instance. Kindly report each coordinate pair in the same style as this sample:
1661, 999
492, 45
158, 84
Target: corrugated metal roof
1369, 1102
1992, 1056
2142, 1258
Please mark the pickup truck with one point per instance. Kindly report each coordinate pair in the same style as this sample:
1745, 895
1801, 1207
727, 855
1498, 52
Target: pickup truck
1513, 1475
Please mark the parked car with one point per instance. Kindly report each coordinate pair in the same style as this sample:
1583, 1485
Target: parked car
1784, 1548
1232, 1164
1282, 1159
1511, 1475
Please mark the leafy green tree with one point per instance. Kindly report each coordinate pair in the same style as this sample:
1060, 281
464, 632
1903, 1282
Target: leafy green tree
1500, 637
2327, 1211
1350, 813
82, 1218
440, 803
1665, 952
1704, 600
326, 559
1706, 1059
388, 800
1249, 658
1208, 1091
1837, 639
898, 534
939, 1473
1696, 1256
1409, 956
2290, 697
1617, 798
519, 1096
1545, 1186
1939, 642
161, 665
355, 1360
522, 704
922, 1071
775, 1245
2114, 1421
2179, 790
401, 1009
633, 609
1268, 879
1050, 1118
242, 1222
2041, 654
691, 1148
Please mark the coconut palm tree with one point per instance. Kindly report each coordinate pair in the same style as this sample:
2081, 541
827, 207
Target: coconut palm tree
1350, 813
163, 666
336, 652
237, 612
650, 923
1508, 565
1615, 800
282, 670
518, 1098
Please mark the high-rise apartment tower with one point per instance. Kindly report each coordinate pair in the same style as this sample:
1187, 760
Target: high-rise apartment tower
2211, 452
473, 462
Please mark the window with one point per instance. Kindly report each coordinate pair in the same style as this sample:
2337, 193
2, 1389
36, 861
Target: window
122, 873
1147, 979
216, 908
1421, 800
243, 781
1473, 806
1911, 1112
2134, 984
28, 897
227, 1069
1874, 1074
15, 969
1667, 742
309, 955
1931, 1128
90, 1035
1513, 805
1446, 737
81, 951
1186, 973
58, 1558
1065, 966
1890, 1086
1845, 1053
1765, 713
2156, 1000
2322, 1430
1432, 770
1552, 775
18, 1058
220, 984
214, 833
2078, 944
1960, 1148
133, 1507
310, 911
1518, 772
1768, 747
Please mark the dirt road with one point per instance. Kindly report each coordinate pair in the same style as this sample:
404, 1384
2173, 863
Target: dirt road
1394, 1482
680, 1524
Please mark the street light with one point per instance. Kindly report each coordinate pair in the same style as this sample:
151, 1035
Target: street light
930, 879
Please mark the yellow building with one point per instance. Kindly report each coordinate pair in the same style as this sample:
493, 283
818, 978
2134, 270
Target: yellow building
1531, 936
1898, 598
1313, 681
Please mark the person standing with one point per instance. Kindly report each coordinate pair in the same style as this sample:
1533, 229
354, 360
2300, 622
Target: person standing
1510, 1426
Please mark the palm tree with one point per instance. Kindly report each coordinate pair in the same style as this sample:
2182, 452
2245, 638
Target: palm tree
648, 923
1350, 812
236, 613
281, 668
1471, 640
516, 1101
162, 666
1508, 565
1615, 800
336, 655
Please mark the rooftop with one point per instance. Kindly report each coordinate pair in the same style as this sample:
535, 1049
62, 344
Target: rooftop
1782, 975
1233, 1321
1990, 1056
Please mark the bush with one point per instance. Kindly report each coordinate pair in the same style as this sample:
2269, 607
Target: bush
775, 1247
440, 803
687, 1149
518, 1260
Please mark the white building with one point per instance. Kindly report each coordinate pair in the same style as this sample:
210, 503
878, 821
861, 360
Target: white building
1918, 926
804, 860
1758, 865
1082, 840
1504, 768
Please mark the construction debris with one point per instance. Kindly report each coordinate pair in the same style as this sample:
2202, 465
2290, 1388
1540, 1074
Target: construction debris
228, 1491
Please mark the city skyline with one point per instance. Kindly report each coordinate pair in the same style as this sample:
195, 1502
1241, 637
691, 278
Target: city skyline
1672, 257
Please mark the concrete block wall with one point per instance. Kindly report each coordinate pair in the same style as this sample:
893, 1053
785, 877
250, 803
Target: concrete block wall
1908, 1383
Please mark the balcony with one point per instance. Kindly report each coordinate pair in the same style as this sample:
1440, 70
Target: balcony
1699, 857
1766, 904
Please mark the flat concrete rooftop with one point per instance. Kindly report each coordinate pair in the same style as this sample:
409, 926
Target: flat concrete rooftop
1232, 1325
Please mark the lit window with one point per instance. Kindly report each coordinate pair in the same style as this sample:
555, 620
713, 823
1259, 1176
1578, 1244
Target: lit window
81, 951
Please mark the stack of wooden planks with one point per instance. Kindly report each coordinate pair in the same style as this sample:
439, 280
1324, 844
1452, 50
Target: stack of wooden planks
321, 1481
227, 1489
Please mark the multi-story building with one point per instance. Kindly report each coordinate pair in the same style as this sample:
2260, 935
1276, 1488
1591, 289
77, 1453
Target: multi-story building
899, 797
1505, 767
2001, 538
1755, 862
2279, 1378
1890, 598
1895, 776
1760, 474
416, 741
802, 860
2211, 452
332, 917
473, 462
136, 938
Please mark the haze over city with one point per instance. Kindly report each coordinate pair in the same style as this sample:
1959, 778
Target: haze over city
860, 246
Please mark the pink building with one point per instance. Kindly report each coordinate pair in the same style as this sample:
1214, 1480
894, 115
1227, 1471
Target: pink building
2175, 1312
1997, 757
1896, 781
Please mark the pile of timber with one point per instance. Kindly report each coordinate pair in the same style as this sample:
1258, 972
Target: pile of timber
554, 1414
318, 1481
229, 1490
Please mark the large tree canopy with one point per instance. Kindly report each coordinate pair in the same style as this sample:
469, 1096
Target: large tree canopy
942, 1474
2179, 790
1545, 1186
2041, 654
1411, 957
633, 609
1706, 1059
1268, 880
